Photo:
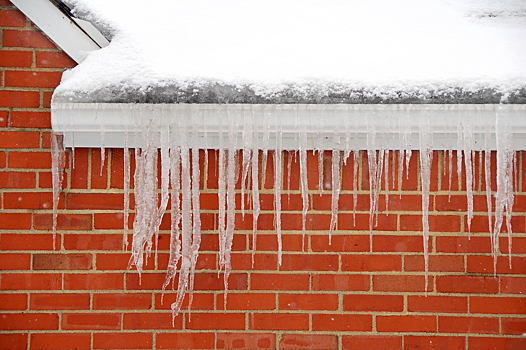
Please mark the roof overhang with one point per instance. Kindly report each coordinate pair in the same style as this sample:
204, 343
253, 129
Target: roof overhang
75, 36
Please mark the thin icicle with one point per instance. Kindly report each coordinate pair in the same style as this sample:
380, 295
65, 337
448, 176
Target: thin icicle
303, 182
277, 188
426, 156
336, 186
356, 158
126, 190
57, 164
467, 137
255, 188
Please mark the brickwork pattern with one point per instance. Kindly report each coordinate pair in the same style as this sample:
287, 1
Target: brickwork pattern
330, 296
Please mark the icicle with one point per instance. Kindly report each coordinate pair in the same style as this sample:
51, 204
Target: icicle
175, 218
126, 189
487, 175
277, 188
231, 203
336, 186
255, 186
57, 164
467, 137
356, 158
247, 156
426, 156
504, 197
386, 180
196, 212
303, 181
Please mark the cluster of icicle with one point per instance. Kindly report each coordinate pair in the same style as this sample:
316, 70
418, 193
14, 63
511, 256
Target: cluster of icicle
243, 134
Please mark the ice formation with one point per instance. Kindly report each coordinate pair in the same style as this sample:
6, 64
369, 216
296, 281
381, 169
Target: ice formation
244, 134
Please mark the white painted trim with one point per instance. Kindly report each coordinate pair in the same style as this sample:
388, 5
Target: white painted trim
76, 39
83, 123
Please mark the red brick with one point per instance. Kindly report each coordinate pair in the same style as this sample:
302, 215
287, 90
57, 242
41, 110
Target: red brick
48, 59
45, 180
371, 342
308, 341
95, 201
248, 301
244, 261
437, 223
246, 341
217, 321
111, 221
518, 243
406, 323
14, 341
346, 243
513, 325
90, 281
13, 301
91, 321
310, 262
3, 158
59, 301
122, 301
341, 282
417, 303
79, 173
371, 262
93, 241
401, 283
10, 221
64, 221
24, 99
62, 261
399, 244
138, 320
32, 79
488, 343
15, 261
118, 261
361, 302
484, 264
513, 285
467, 284
263, 281
23, 281
19, 139
339, 322
16, 58
490, 305
200, 301
18, 241
33, 200
308, 301
18, 180
440, 263
12, 18
99, 179
275, 321
479, 325
59, 341
30, 120
186, 340
30, 160
385, 222
454, 244
46, 97
122, 340
433, 342
36, 321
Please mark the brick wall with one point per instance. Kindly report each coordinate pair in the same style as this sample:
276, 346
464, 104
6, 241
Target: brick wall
339, 296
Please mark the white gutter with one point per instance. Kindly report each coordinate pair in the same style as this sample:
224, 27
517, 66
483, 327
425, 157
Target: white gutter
76, 37
362, 126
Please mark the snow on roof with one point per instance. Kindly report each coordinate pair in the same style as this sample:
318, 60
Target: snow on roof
303, 51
